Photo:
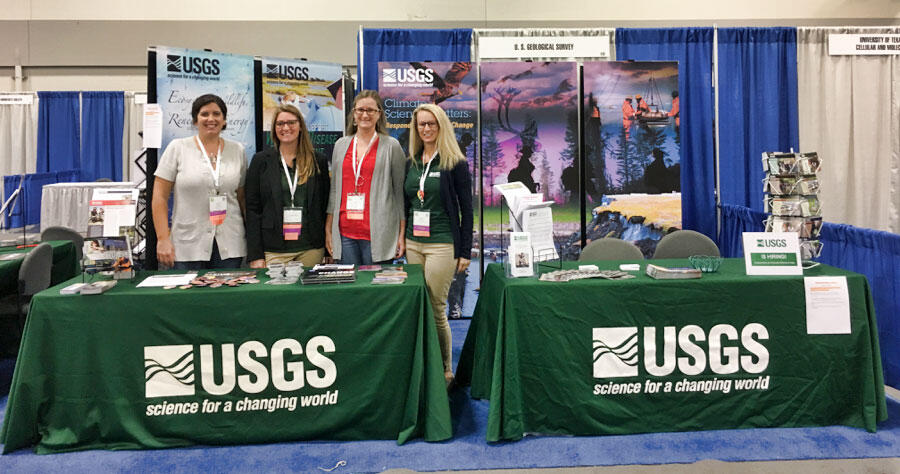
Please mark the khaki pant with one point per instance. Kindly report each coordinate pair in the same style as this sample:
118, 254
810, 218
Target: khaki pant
440, 268
307, 257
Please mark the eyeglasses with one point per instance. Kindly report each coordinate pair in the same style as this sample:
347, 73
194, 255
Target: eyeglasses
286, 123
424, 125
366, 111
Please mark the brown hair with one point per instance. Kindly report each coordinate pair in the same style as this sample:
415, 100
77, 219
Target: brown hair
306, 156
380, 125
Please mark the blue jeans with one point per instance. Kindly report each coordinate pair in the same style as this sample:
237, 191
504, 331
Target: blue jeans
215, 262
356, 251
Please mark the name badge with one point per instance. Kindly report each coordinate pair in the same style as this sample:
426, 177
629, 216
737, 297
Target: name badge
217, 206
421, 224
356, 206
293, 223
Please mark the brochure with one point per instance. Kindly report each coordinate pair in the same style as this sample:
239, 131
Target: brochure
111, 209
521, 256
666, 273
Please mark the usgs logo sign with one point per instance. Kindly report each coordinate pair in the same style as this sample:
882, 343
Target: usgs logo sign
280, 71
174, 370
192, 65
771, 243
619, 351
408, 75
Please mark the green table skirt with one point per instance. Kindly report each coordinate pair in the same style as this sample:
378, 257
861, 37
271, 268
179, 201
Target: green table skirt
148, 368
597, 356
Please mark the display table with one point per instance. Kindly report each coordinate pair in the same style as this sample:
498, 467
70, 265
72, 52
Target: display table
593, 357
144, 367
65, 265
68, 204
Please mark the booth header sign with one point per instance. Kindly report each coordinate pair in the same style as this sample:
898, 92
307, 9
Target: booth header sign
527, 47
16, 99
853, 45
772, 253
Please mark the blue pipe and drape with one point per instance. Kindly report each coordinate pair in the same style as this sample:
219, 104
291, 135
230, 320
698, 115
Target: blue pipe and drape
693, 49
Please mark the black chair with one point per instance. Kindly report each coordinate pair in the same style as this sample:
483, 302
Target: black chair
34, 276
610, 249
684, 243
65, 233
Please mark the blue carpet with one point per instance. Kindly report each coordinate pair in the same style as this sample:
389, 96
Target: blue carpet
468, 449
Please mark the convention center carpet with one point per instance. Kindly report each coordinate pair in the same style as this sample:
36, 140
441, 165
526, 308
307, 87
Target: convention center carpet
468, 450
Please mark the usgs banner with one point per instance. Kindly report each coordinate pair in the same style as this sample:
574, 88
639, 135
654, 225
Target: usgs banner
314, 88
182, 75
451, 85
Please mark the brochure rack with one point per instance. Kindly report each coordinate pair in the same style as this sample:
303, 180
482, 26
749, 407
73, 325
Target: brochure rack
792, 200
543, 260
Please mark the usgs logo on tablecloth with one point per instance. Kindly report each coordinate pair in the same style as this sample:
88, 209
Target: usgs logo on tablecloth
724, 349
171, 371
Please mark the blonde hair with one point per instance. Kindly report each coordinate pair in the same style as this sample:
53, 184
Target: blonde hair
380, 124
448, 148
305, 162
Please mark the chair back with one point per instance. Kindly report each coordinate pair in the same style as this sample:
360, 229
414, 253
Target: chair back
684, 243
58, 232
34, 274
610, 248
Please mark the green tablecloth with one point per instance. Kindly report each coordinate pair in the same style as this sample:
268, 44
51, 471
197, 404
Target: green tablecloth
65, 265
347, 362
641, 355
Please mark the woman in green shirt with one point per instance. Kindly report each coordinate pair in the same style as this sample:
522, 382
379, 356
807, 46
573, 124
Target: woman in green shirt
287, 196
438, 200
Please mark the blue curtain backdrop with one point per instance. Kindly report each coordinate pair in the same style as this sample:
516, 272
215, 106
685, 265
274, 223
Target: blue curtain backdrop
59, 131
693, 49
757, 107
409, 45
873, 253
103, 118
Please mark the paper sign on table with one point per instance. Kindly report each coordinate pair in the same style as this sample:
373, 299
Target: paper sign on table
827, 305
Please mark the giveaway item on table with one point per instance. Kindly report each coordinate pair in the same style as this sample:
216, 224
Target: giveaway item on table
666, 273
97, 287
284, 273
706, 263
391, 276
167, 280
569, 275
330, 273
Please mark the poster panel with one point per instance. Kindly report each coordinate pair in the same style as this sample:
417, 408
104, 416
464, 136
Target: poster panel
632, 151
182, 75
529, 133
314, 88
451, 85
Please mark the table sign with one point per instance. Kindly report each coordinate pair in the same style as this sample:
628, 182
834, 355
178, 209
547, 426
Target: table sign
827, 305
772, 253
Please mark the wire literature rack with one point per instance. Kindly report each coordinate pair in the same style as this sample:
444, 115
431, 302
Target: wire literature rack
545, 260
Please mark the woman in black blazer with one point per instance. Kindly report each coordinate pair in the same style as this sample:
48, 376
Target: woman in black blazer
287, 195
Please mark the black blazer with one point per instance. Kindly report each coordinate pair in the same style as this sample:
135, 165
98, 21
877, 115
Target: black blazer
263, 194
456, 195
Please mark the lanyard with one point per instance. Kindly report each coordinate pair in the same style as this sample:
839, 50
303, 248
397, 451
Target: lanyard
421, 193
357, 168
292, 185
214, 171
